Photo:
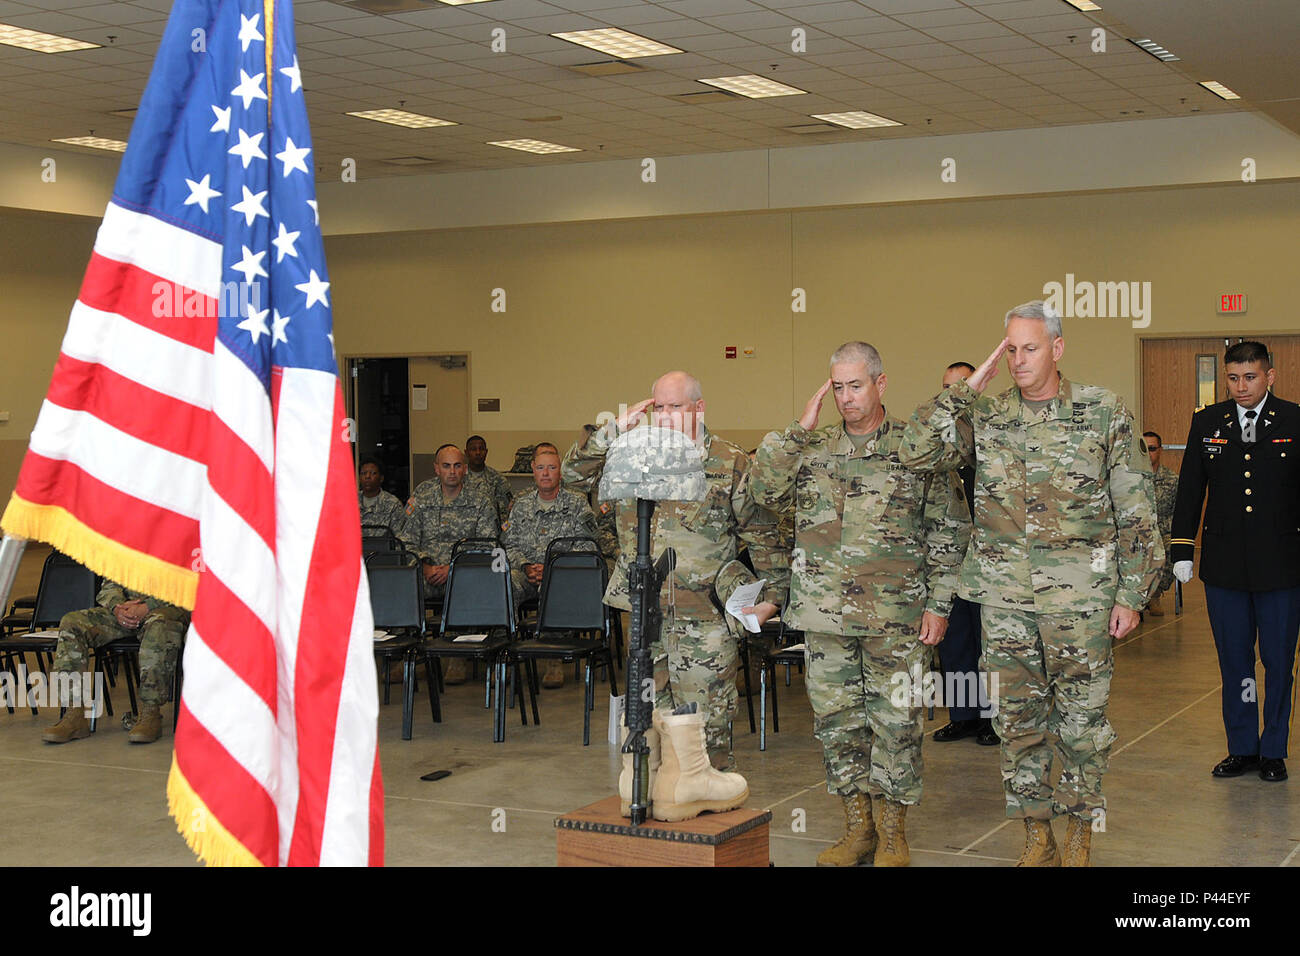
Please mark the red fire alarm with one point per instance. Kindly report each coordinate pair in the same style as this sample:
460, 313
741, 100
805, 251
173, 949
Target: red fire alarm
729, 352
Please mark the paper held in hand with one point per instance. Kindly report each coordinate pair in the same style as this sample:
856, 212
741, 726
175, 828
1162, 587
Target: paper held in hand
745, 596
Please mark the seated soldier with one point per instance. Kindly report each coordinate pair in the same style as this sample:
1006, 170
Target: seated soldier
485, 479
379, 508
442, 511
121, 613
537, 518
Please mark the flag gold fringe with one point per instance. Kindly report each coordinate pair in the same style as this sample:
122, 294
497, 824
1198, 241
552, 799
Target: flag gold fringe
125, 565
211, 842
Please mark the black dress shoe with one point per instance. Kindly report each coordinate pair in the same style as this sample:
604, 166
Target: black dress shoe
956, 730
1234, 765
987, 737
1272, 769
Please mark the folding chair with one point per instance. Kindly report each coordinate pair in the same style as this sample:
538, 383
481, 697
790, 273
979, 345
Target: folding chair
65, 586
479, 596
397, 603
378, 537
571, 599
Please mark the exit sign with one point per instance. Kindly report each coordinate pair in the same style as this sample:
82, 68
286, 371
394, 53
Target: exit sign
1232, 303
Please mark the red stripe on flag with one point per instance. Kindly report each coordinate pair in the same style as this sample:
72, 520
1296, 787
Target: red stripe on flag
150, 301
233, 797
140, 411
237, 636
237, 474
325, 633
377, 814
129, 520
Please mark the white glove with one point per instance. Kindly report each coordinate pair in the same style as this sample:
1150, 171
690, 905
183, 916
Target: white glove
1183, 571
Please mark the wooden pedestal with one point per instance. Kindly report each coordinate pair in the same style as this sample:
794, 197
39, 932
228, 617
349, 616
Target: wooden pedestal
598, 835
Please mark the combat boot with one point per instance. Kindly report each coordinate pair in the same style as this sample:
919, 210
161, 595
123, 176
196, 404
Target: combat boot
625, 778
454, 672
892, 849
1078, 842
73, 726
687, 784
1040, 845
859, 840
553, 676
147, 727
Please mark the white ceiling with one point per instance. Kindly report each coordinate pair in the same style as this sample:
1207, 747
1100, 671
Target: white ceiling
938, 66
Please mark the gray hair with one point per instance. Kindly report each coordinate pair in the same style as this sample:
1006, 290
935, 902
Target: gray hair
859, 352
1040, 311
693, 391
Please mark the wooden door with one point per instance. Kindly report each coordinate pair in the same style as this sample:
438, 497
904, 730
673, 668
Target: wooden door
1170, 394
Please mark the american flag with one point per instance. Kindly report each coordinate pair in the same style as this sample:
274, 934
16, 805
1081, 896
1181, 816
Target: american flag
193, 445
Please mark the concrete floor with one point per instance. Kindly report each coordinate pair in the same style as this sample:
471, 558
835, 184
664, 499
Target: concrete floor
1164, 807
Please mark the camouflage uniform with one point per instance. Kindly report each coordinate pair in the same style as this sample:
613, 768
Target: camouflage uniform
875, 546
697, 656
434, 525
534, 524
1166, 483
1065, 529
160, 636
492, 485
382, 511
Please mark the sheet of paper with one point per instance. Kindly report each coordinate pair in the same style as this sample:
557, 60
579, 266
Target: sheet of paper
469, 639
745, 596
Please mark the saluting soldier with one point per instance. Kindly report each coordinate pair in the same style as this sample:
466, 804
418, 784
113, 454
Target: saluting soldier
1246, 452
1064, 553
876, 552
697, 657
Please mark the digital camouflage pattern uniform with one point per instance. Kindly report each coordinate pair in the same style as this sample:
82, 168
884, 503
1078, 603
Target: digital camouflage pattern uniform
434, 525
1166, 485
492, 485
1065, 528
697, 656
606, 527
160, 634
534, 524
384, 510
875, 545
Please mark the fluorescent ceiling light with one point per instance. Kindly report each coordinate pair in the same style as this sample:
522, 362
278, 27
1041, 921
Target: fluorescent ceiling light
1087, 6
752, 86
1155, 49
94, 142
402, 118
535, 146
619, 43
856, 119
41, 42
1218, 89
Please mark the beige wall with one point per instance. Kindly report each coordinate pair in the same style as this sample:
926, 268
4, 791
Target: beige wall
594, 311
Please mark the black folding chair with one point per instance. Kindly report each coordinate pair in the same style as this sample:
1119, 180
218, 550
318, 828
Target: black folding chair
378, 537
571, 599
65, 586
780, 653
479, 596
397, 603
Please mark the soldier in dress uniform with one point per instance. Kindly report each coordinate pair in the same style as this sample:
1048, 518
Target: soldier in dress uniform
1245, 452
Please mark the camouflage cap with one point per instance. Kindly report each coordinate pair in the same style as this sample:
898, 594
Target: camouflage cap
658, 464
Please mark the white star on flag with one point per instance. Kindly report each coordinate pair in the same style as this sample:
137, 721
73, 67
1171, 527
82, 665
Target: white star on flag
251, 205
248, 148
200, 192
314, 289
255, 324
284, 243
294, 75
248, 31
250, 265
222, 124
315, 209
249, 88
293, 156
277, 328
